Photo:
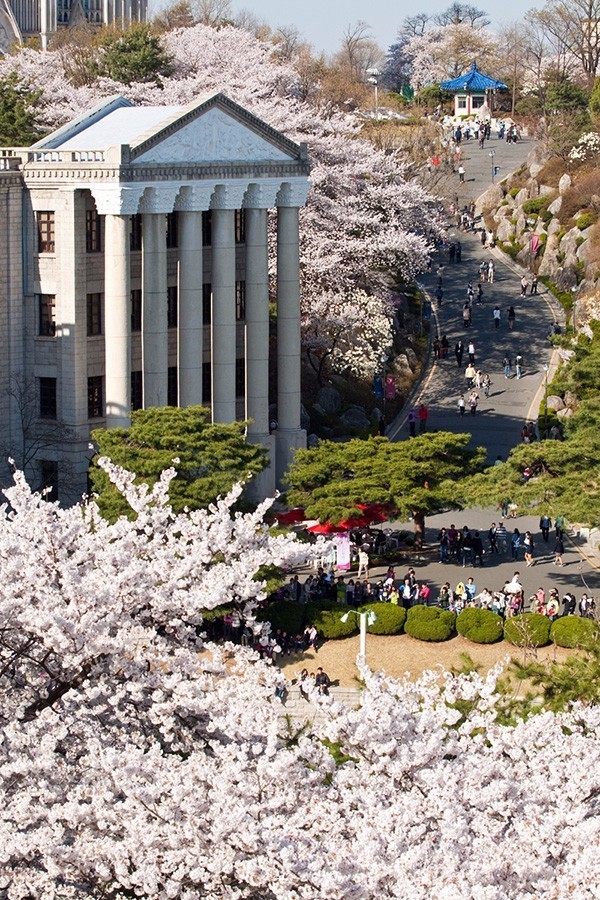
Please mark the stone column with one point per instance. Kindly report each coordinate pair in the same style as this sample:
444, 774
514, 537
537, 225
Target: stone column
257, 345
117, 321
190, 327
289, 434
155, 345
223, 353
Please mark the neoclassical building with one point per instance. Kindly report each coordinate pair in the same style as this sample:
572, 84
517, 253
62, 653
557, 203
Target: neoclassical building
137, 274
24, 19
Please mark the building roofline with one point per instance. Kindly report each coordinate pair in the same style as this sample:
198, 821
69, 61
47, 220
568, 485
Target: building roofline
73, 127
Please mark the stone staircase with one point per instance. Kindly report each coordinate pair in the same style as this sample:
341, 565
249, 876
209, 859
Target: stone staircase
300, 710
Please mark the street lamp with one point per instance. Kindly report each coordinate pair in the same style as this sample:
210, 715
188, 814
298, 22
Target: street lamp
492, 155
545, 401
374, 76
365, 618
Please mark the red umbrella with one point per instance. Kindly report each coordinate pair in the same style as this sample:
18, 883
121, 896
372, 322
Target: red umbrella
291, 517
326, 528
377, 512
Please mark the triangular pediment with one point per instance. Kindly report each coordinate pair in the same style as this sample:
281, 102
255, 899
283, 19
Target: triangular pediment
213, 131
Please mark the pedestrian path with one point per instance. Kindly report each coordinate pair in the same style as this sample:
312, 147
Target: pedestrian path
512, 402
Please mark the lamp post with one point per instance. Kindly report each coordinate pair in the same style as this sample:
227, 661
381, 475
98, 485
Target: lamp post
374, 75
492, 155
365, 618
545, 401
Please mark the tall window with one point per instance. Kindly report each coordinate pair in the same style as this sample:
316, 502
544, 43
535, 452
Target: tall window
240, 300
93, 231
47, 388
172, 230
135, 232
137, 396
49, 478
45, 227
172, 388
172, 307
206, 303
46, 315
95, 397
207, 228
206, 383
240, 226
94, 314
240, 377
136, 310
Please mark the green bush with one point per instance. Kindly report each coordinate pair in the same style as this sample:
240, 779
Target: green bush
530, 629
327, 618
482, 626
285, 614
430, 623
514, 191
585, 220
390, 618
572, 631
536, 205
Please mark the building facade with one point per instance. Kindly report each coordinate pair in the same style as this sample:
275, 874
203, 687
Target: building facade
137, 274
25, 19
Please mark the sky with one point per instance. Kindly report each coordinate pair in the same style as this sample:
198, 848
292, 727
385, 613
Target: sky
323, 22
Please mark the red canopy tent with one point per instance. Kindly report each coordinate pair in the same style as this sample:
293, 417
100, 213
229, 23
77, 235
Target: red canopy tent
326, 528
291, 517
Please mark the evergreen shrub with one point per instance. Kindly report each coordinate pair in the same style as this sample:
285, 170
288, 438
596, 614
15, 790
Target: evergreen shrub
430, 623
390, 618
327, 619
536, 205
584, 221
530, 629
572, 631
285, 614
482, 626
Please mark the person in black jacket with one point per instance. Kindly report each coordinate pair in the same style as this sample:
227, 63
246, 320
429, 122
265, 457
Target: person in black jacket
477, 545
322, 681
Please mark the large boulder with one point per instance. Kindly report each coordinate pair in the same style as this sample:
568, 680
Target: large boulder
503, 212
565, 413
522, 197
564, 184
489, 200
412, 358
554, 402
546, 190
505, 230
521, 223
535, 169
355, 419
554, 226
566, 278
550, 263
571, 400
555, 206
570, 242
329, 400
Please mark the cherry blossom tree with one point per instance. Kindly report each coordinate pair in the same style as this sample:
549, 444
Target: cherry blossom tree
135, 760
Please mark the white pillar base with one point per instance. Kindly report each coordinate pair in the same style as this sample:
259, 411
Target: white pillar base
286, 443
264, 484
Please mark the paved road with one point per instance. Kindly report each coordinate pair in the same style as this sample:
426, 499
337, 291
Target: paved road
512, 402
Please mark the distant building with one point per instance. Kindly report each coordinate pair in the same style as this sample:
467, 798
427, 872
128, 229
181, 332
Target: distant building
473, 92
24, 19
135, 274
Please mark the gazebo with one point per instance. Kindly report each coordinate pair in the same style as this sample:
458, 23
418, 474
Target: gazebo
473, 92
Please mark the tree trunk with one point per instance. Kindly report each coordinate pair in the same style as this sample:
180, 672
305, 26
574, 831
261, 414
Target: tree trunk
419, 523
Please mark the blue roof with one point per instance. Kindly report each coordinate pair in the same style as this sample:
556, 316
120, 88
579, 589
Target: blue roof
473, 80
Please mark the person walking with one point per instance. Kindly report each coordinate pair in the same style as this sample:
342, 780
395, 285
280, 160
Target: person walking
515, 544
524, 286
470, 375
473, 400
534, 285
559, 525
458, 251
412, 422
559, 549
487, 381
439, 294
466, 314
507, 366
518, 364
451, 252
458, 352
545, 526
511, 316
444, 346
493, 538
482, 271
479, 298
461, 405
461, 173
497, 315
491, 271
528, 548
502, 536
471, 352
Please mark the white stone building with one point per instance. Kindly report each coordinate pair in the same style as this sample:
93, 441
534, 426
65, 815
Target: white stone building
136, 274
25, 19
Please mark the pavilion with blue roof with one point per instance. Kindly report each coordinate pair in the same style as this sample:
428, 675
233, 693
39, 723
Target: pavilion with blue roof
473, 92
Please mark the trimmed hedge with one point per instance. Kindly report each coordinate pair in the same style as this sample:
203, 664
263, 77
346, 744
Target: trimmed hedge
390, 618
529, 629
284, 614
430, 623
572, 631
327, 620
482, 626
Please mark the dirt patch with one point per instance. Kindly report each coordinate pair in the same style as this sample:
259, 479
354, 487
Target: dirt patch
402, 654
